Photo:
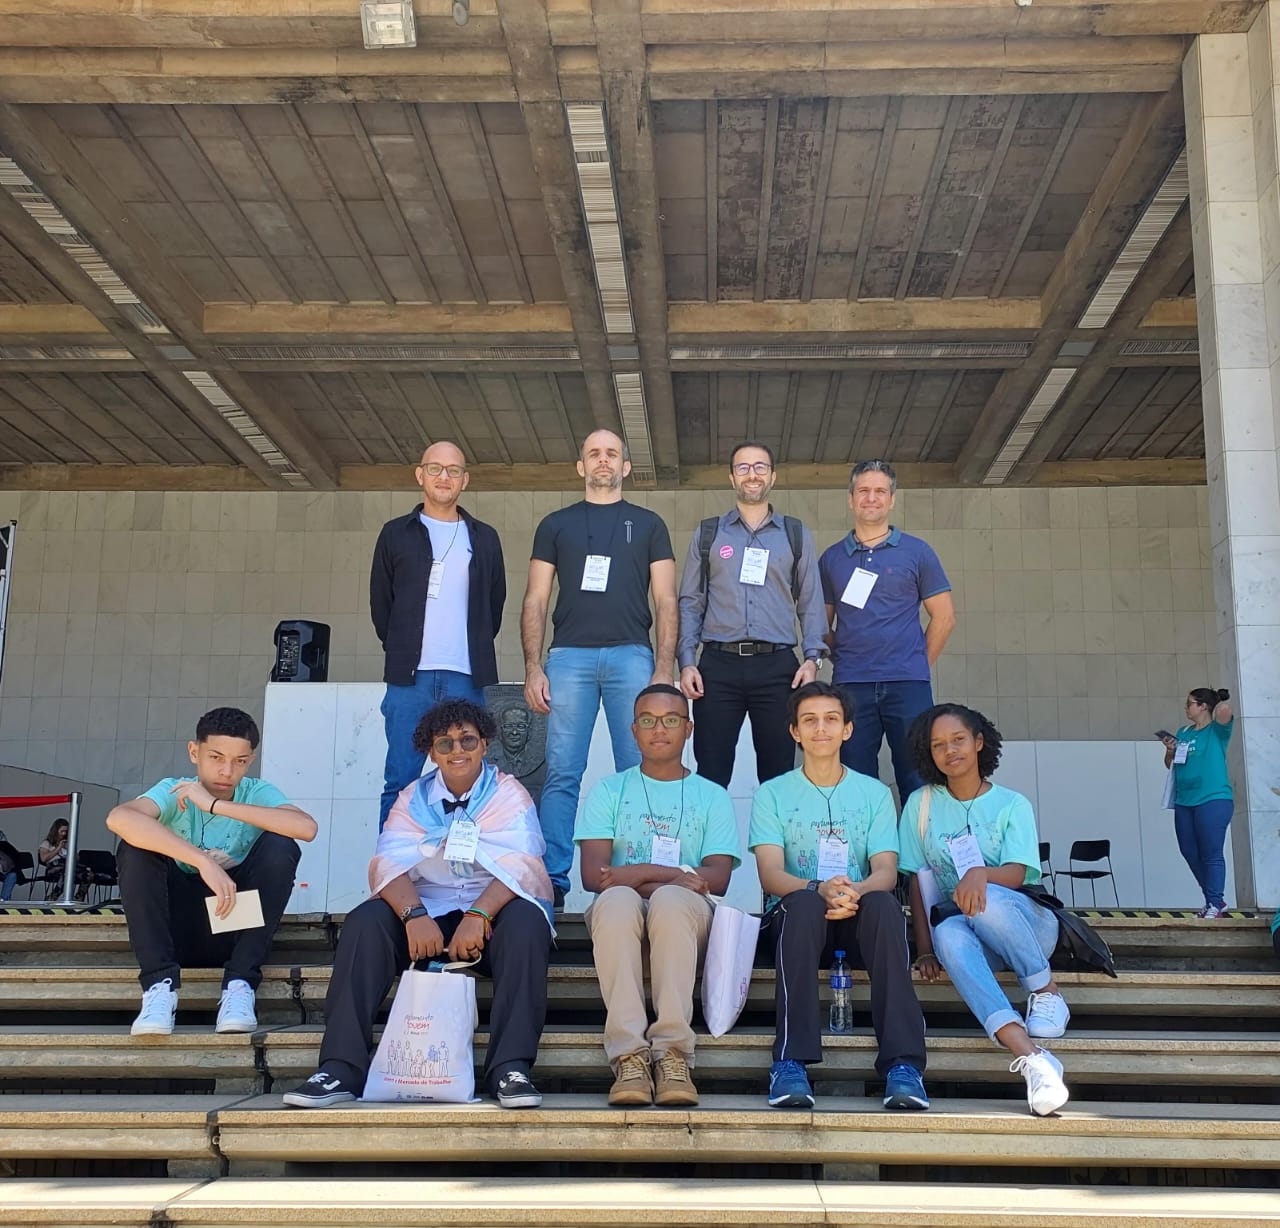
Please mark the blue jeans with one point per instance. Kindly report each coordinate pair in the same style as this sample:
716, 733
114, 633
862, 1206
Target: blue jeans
580, 678
885, 710
1202, 833
10, 882
1015, 933
402, 708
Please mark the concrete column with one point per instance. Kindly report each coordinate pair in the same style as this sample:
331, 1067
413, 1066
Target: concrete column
1231, 92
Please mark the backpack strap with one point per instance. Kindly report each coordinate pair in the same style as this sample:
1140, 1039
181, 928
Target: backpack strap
707, 535
924, 813
795, 536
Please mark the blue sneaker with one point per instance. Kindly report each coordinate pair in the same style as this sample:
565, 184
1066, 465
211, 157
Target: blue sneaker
904, 1089
789, 1086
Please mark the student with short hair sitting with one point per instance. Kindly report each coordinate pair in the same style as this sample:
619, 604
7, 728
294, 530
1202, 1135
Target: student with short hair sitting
457, 873
826, 844
216, 833
980, 845
656, 841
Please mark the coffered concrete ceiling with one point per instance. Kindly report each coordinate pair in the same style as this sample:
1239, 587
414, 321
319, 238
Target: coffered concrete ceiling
237, 250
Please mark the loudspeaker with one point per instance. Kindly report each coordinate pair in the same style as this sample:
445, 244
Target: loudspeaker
302, 651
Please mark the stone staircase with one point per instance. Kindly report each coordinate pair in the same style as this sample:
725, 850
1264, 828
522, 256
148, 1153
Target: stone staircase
1174, 1069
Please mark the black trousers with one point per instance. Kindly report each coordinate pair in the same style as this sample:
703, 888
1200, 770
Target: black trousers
874, 938
734, 688
169, 924
373, 951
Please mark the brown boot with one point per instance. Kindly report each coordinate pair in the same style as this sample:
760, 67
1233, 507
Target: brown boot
674, 1084
634, 1084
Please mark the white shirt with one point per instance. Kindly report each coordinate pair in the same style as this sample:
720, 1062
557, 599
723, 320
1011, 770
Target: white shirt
444, 629
439, 888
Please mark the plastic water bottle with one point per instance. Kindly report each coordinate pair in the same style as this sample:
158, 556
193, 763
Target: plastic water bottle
841, 995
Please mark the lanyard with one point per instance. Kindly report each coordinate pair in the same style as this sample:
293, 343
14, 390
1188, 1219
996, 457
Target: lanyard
649, 816
982, 788
613, 532
827, 796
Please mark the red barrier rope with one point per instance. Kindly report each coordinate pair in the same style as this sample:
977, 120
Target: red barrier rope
13, 803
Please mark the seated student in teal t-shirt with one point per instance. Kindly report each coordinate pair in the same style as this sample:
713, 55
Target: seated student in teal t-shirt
656, 841
826, 844
970, 844
187, 838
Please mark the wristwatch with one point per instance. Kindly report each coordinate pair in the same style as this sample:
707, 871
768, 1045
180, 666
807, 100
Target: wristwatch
813, 884
409, 911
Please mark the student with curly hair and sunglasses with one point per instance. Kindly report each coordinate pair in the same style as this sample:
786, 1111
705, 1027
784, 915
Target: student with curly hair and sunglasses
969, 844
458, 870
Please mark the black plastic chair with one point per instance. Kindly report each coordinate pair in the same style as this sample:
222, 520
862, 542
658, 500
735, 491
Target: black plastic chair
1046, 867
21, 863
102, 872
50, 876
1090, 852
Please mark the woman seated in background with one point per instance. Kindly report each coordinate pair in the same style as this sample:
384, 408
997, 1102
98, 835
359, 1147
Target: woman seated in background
1202, 797
53, 858
969, 845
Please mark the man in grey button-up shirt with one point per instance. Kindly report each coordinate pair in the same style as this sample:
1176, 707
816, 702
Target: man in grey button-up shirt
739, 598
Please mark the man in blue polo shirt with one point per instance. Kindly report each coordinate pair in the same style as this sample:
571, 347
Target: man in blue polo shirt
874, 581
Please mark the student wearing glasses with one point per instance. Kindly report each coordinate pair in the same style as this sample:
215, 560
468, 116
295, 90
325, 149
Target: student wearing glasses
436, 591
457, 874
747, 576
655, 842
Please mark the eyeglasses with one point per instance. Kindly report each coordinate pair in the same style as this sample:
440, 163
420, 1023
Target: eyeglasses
435, 469
672, 720
759, 468
444, 746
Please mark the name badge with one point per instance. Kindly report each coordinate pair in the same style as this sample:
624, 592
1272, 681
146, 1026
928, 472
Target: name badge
965, 853
463, 841
666, 851
595, 575
859, 587
435, 579
755, 565
1181, 751
833, 857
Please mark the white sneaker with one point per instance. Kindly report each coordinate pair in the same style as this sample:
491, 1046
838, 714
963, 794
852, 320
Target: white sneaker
1046, 1092
236, 1010
159, 1006
1047, 1015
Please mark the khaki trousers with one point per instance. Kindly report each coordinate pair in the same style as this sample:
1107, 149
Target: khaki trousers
675, 921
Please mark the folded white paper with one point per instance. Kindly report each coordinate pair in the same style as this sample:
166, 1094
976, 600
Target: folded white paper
245, 914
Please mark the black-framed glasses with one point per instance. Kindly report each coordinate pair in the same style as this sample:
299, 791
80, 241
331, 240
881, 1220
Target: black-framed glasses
444, 746
435, 469
671, 720
759, 468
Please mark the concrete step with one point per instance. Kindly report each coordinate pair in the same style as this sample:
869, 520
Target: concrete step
736, 1062
287, 991
741, 1129
742, 1058
616, 1203
1148, 939
260, 1131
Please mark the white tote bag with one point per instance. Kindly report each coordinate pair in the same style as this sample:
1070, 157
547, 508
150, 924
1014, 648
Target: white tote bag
726, 971
426, 1050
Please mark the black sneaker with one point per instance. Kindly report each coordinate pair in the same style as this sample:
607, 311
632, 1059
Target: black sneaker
319, 1092
516, 1091
557, 899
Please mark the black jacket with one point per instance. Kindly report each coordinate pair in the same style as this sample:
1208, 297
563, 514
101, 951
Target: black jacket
398, 596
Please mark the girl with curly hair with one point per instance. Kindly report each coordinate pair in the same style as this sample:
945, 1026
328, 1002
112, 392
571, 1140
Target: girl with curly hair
976, 841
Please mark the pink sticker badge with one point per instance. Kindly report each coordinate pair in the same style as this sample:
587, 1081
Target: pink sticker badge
726, 552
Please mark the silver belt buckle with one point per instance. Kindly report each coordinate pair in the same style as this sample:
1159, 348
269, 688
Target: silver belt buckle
746, 648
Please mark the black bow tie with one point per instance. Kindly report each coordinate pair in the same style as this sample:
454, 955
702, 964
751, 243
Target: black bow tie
451, 806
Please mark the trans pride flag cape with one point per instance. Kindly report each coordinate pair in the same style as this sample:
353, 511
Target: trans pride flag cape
511, 844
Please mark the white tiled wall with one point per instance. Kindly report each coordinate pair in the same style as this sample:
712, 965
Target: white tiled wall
1085, 614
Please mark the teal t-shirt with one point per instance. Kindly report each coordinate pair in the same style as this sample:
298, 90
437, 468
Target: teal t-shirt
227, 839
1002, 821
791, 811
630, 809
1203, 778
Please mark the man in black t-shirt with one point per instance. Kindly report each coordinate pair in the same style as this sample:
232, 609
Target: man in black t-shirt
608, 555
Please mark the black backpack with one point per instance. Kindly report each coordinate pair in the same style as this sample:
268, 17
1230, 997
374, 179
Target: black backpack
1080, 947
795, 536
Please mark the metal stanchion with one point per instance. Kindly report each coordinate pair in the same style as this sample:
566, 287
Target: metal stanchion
73, 852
